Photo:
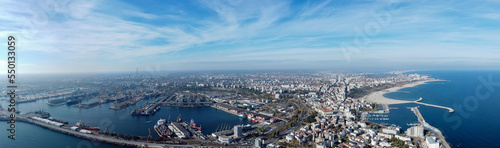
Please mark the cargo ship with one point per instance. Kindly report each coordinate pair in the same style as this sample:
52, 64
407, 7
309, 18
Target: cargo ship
57, 102
162, 130
56, 120
195, 125
146, 109
72, 101
83, 126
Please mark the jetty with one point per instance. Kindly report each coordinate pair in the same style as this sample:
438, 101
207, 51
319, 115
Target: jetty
428, 126
451, 110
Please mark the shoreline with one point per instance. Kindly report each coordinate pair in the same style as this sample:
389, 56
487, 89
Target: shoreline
378, 96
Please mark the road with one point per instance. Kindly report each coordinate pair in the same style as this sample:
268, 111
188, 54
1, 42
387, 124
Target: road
291, 129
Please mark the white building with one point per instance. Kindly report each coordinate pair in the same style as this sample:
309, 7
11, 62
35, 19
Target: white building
259, 143
432, 142
391, 130
225, 139
416, 131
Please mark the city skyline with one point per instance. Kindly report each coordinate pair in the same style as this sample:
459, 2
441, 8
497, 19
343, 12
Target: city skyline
113, 36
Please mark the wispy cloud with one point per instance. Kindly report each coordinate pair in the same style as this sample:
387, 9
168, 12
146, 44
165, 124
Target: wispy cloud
121, 35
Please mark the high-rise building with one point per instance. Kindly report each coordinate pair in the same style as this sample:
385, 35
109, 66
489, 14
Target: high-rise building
259, 143
416, 131
238, 131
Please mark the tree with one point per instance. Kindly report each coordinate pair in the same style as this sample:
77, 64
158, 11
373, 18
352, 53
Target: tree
295, 143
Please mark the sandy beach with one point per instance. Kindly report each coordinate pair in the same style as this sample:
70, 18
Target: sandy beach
378, 97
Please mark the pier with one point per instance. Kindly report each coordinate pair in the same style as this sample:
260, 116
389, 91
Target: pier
42, 97
451, 110
428, 126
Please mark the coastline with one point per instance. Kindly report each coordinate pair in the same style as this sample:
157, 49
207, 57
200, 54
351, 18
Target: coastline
378, 96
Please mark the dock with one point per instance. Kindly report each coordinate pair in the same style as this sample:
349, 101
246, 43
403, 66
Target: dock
428, 126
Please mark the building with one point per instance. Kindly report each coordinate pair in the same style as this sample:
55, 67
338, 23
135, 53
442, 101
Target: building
326, 112
321, 145
403, 138
225, 139
238, 131
259, 143
386, 135
416, 131
391, 130
432, 142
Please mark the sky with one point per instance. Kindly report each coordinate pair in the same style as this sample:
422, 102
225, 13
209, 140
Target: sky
65, 36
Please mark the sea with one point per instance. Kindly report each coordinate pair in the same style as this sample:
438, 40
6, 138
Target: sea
475, 122
475, 96
119, 121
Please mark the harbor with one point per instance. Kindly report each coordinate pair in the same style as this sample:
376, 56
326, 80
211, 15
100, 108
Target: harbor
94, 136
195, 136
182, 129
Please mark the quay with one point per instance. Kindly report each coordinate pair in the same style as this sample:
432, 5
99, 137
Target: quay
428, 126
226, 108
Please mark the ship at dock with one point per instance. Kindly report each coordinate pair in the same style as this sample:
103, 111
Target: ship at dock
242, 116
195, 125
162, 129
57, 102
72, 101
83, 126
146, 109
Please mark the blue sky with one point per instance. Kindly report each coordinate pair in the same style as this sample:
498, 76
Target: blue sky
62, 36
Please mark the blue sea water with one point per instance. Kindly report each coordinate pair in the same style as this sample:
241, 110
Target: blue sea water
119, 121
476, 121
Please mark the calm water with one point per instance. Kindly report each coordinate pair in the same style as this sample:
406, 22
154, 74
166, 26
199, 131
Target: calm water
117, 121
479, 125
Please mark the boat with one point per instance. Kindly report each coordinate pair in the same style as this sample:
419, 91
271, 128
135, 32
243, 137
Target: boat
83, 126
56, 120
43, 114
242, 115
57, 102
162, 129
73, 101
195, 125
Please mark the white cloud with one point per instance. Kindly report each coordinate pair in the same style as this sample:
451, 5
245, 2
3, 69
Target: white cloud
80, 31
